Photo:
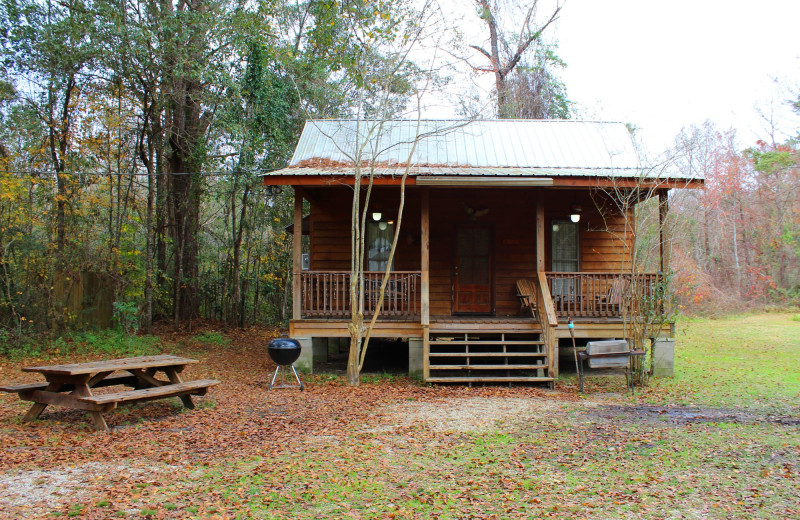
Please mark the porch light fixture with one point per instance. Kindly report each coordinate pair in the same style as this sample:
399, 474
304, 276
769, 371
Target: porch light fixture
376, 216
575, 216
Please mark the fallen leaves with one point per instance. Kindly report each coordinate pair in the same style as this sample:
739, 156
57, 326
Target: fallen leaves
395, 449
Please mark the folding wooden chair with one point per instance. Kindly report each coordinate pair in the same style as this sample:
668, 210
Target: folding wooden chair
526, 292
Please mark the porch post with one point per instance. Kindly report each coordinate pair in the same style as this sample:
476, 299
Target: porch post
297, 252
540, 230
425, 282
663, 208
425, 246
548, 331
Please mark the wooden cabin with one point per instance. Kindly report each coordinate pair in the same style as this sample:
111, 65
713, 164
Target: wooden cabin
509, 227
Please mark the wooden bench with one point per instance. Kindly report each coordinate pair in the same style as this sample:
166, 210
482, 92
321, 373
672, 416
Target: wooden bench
24, 387
198, 387
609, 355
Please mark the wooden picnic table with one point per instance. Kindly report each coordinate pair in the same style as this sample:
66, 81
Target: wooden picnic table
71, 385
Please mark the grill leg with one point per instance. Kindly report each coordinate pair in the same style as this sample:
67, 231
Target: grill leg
274, 376
298, 378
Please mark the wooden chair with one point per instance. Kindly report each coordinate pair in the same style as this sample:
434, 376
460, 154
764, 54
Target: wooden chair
526, 291
611, 302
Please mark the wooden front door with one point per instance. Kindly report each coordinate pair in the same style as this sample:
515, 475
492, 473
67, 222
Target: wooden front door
473, 285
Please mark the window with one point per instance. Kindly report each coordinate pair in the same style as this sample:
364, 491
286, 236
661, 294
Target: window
379, 244
565, 257
565, 246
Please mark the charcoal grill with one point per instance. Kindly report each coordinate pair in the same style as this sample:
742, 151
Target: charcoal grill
284, 352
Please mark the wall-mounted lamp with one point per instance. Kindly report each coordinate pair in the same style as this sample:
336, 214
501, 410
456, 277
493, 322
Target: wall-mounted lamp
575, 216
376, 216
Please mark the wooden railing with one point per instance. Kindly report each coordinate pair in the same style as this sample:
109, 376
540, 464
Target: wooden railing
599, 295
326, 294
549, 321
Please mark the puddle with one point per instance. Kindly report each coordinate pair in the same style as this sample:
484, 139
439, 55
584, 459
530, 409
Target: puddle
692, 414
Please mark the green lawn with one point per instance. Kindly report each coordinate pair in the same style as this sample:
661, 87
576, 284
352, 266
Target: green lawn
750, 360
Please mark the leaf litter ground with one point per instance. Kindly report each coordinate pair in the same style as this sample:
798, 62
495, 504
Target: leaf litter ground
396, 449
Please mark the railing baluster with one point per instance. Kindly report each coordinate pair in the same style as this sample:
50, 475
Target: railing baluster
590, 294
327, 293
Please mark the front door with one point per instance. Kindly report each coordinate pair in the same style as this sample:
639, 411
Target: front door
472, 271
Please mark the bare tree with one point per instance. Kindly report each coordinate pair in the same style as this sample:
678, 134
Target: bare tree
641, 204
505, 52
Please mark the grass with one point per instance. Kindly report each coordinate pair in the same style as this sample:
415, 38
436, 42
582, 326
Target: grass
212, 338
579, 462
565, 470
750, 360
575, 464
111, 343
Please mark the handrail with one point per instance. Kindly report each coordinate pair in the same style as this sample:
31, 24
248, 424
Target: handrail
548, 319
547, 300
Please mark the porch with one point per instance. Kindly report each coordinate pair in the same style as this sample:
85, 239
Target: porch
455, 270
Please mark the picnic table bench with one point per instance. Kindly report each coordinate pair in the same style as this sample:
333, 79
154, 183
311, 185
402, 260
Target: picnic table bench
71, 385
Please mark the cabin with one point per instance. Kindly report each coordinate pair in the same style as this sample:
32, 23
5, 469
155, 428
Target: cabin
509, 228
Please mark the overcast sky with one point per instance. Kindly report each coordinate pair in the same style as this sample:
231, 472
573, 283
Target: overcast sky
662, 65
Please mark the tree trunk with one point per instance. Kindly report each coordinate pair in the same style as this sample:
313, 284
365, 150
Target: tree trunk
186, 140
237, 314
59, 132
146, 150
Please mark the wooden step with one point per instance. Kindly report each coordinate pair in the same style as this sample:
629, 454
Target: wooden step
480, 328
486, 367
487, 354
489, 379
486, 342
197, 387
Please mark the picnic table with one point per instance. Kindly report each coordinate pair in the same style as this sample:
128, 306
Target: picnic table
71, 385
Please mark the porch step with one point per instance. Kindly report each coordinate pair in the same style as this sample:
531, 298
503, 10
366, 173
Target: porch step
452, 329
490, 379
474, 356
479, 342
487, 367
487, 354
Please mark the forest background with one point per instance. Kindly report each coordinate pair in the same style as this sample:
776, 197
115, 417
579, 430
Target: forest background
133, 133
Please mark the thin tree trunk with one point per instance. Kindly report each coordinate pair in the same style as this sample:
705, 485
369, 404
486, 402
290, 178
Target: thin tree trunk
736, 259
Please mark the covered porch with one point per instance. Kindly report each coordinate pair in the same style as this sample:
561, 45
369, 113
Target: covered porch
456, 275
